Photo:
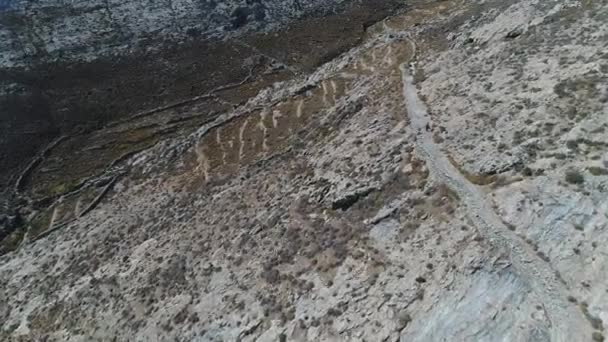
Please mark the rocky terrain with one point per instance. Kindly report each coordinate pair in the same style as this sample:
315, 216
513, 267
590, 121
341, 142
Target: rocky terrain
71, 68
66, 82
437, 174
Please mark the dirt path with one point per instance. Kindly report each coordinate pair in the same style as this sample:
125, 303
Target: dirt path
566, 319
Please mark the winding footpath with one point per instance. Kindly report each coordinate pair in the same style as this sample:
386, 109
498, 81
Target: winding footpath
565, 319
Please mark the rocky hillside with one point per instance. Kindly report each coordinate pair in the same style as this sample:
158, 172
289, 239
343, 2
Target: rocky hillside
71, 72
437, 174
85, 30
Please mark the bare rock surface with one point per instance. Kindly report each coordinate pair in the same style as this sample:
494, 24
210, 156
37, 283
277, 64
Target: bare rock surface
441, 180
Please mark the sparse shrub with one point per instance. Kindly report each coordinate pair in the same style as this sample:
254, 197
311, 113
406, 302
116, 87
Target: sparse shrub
194, 318
527, 172
334, 312
543, 256
595, 322
597, 171
574, 177
597, 336
272, 276
572, 144
420, 280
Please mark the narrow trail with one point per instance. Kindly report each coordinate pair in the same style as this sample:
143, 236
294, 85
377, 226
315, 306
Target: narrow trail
566, 318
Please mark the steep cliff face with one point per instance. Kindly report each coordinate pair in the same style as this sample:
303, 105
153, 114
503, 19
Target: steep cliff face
438, 175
